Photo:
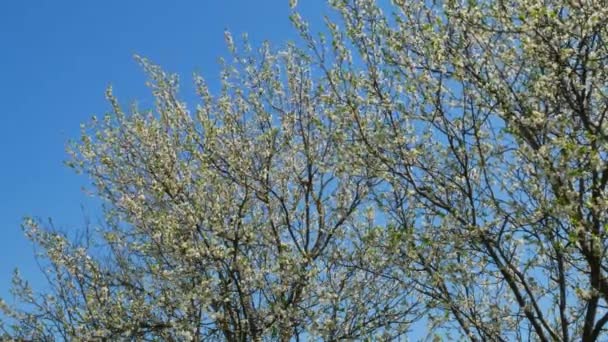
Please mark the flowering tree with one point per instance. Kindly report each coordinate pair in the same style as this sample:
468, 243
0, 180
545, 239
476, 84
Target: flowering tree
485, 122
240, 221
437, 159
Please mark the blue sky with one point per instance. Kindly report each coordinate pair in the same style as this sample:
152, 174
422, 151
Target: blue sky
56, 60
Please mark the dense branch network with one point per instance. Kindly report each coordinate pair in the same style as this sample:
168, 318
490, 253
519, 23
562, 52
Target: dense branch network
441, 162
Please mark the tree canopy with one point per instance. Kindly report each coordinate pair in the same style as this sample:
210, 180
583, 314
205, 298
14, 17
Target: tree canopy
420, 162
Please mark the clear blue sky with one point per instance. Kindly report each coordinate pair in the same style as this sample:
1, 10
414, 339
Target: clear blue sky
56, 60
